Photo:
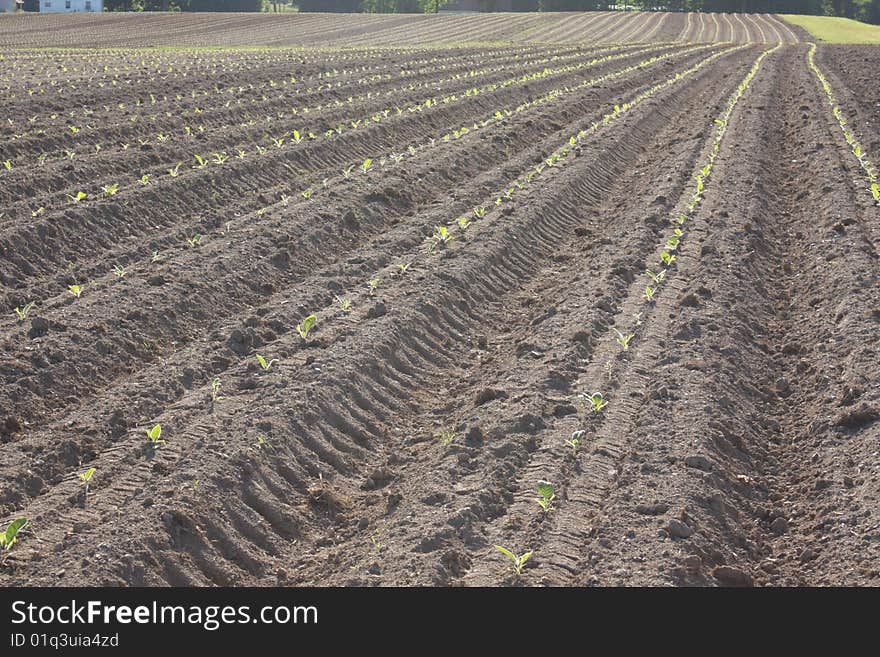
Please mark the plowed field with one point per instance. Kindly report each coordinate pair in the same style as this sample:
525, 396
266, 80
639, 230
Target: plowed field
646, 273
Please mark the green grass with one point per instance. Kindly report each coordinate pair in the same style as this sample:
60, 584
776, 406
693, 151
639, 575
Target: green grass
830, 29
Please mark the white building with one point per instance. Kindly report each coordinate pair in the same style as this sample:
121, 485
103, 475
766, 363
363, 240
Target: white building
70, 6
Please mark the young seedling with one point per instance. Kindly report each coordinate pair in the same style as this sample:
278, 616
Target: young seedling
266, 364
75, 199
155, 257
597, 402
110, 190
875, 192
667, 258
575, 441
347, 172
344, 304
194, 240
623, 340
305, 326
175, 171
372, 285
656, 277
8, 165
479, 212
262, 443
464, 223
215, 390
404, 266
76, 290
649, 294
119, 270
517, 561
86, 478
368, 163
145, 179
8, 537
547, 495
446, 436
22, 313
440, 236
154, 435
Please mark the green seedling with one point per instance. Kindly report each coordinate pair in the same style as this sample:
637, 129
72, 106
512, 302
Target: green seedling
307, 194
8, 165
575, 441
266, 364
145, 179
154, 435
86, 478
75, 199
119, 270
547, 495
215, 389
440, 236
623, 340
347, 172
38, 212
517, 561
305, 326
372, 284
446, 437
656, 277
8, 537
597, 402
368, 163
22, 313
194, 240
479, 212
175, 171
110, 190
155, 257
76, 290
201, 162
667, 258
649, 294
262, 443
875, 192
464, 223
404, 266
344, 304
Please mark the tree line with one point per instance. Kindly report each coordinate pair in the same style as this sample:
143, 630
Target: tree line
864, 10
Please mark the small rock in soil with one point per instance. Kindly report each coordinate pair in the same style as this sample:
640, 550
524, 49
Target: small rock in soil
377, 311
39, 328
693, 562
678, 529
652, 509
698, 462
730, 576
488, 394
779, 526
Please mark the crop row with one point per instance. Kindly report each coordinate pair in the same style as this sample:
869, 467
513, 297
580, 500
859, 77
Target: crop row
220, 154
279, 80
275, 107
595, 401
851, 138
311, 191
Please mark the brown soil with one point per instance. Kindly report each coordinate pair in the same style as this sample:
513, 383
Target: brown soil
376, 30
402, 440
